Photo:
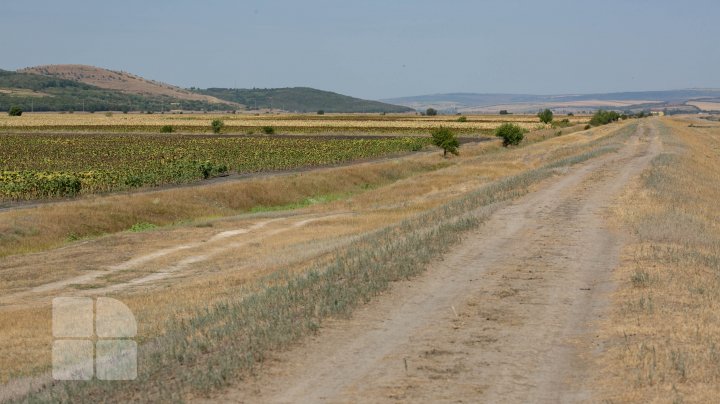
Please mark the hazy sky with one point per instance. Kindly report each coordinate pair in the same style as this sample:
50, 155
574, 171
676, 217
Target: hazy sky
378, 49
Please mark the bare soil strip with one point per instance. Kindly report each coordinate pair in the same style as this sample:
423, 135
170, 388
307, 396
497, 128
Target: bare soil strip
508, 316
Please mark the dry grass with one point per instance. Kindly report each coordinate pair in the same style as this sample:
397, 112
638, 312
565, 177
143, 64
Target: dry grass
664, 332
418, 190
51, 225
705, 105
283, 124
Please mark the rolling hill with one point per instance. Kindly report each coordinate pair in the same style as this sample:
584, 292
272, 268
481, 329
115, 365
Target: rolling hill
484, 103
301, 99
120, 81
89, 88
36, 92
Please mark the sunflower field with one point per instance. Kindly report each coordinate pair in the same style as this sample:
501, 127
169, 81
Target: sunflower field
39, 166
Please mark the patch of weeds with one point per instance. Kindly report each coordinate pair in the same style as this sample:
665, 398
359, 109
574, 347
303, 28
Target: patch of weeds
314, 200
646, 304
640, 279
142, 226
679, 363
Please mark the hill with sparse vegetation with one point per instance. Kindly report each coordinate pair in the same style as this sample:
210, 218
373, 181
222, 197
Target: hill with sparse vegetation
88, 88
42, 93
301, 99
118, 80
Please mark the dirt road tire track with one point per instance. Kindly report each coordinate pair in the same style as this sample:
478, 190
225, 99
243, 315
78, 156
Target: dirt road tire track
507, 316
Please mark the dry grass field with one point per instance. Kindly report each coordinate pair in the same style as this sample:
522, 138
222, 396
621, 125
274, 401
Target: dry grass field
257, 124
597, 252
705, 105
204, 251
662, 335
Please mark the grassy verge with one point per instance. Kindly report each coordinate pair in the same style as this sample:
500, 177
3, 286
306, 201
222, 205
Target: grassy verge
663, 335
313, 200
31, 230
218, 345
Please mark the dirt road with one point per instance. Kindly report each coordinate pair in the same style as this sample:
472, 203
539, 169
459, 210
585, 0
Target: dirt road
507, 316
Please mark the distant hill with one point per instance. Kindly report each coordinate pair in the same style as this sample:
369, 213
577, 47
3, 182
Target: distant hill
120, 81
301, 99
50, 93
473, 102
89, 88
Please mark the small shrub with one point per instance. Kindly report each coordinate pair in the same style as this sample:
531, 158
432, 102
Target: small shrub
545, 116
602, 117
587, 127
445, 139
561, 124
166, 129
511, 134
504, 112
217, 125
431, 112
462, 119
134, 181
321, 112
15, 111
268, 130
209, 169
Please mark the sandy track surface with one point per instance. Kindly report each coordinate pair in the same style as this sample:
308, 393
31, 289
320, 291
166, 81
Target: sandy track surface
507, 316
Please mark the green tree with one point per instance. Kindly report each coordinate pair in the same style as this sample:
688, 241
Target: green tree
545, 116
321, 112
15, 111
431, 112
511, 134
602, 117
445, 139
217, 125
